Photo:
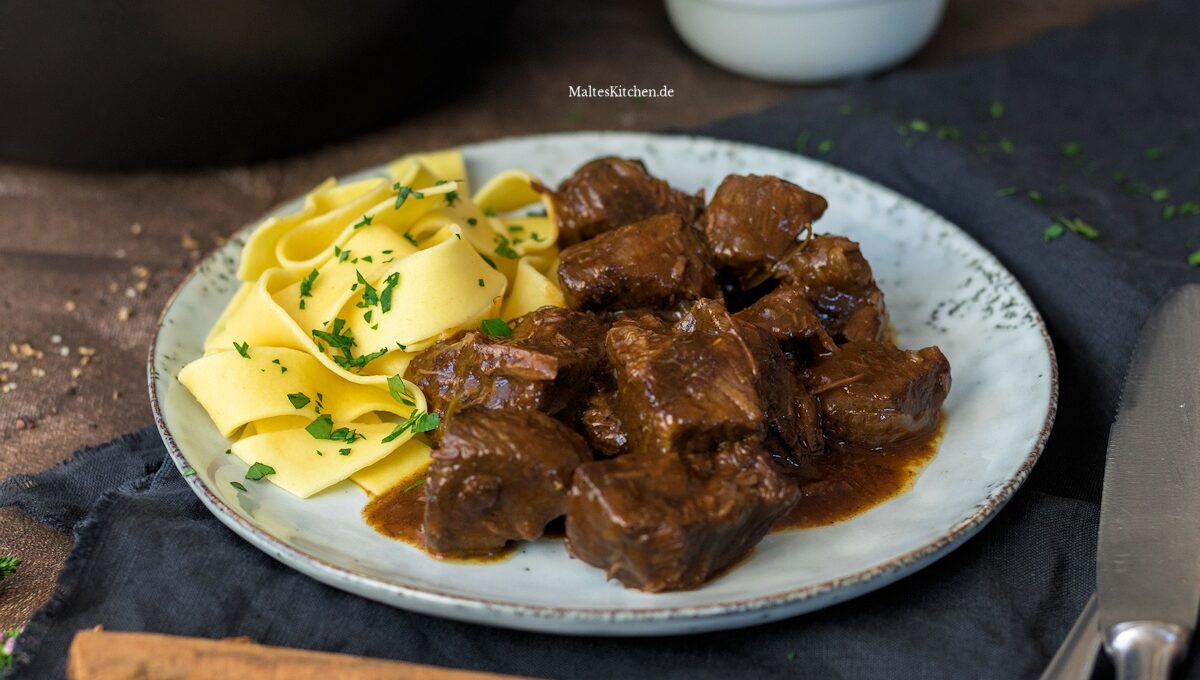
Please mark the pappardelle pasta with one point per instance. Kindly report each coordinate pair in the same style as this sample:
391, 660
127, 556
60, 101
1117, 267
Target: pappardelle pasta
302, 371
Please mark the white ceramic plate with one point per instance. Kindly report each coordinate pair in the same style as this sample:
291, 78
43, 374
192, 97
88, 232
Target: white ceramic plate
942, 288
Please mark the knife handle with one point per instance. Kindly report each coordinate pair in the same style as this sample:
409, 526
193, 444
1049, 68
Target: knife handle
1145, 650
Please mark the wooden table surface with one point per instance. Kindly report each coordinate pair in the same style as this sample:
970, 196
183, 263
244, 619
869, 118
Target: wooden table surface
88, 259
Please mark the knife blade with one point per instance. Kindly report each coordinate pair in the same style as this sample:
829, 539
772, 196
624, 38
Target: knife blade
1147, 584
1076, 656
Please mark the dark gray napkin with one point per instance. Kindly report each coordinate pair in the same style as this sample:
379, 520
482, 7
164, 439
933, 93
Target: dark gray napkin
149, 557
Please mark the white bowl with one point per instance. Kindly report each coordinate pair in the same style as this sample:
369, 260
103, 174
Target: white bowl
805, 41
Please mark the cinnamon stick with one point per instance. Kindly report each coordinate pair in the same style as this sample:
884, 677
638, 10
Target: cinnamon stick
101, 655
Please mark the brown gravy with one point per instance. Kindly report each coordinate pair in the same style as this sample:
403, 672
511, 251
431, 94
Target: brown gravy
839, 486
400, 512
836, 487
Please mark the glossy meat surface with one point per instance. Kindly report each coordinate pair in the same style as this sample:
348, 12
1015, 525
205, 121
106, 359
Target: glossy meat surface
545, 365
669, 521
499, 475
754, 221
609, 192
873, 394
601, 426
793, 425
655, 263
688, 389
791, 319
839, 284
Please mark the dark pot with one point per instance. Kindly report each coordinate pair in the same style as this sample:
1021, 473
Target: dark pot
172, 83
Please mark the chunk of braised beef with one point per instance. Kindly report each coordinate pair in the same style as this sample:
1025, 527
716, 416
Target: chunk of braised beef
873, 394
754, 221
669, 521
790, 318
609, 192
687, 389
837, 280
499, 475
601, 426
655, 263
544, 365
793, 425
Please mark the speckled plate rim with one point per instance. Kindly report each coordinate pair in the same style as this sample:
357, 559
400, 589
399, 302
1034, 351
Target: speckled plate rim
618, 621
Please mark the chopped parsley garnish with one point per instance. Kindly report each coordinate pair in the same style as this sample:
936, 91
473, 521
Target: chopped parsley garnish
1194, 258
1035, 196
451, 198
8, 565
319, 453
949, 132
481, 284
1053, 231
488, 260
349, 361
343, 452
299, 399
1070, 149
489, 212
825, 146
242, 349
503, 249
306, 286
1006, 191
1154, 153
1079, 227
514, 228
385, 297
918, 125
321, 427
368, 315
403, 347
189, 472
417, 421
364, 222
496, 328
341, 255
258, 471
346, 434
238, 485
414, 485
370, 296
367, 258
472, 221
1159, 195
802, 143
228, 452
387, 252
282, 368
337, 339
534, 235
997, 109
402, 193
1006, 145
400, 391
427, 422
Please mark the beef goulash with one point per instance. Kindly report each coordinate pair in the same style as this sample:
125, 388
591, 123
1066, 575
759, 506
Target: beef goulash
711, 363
